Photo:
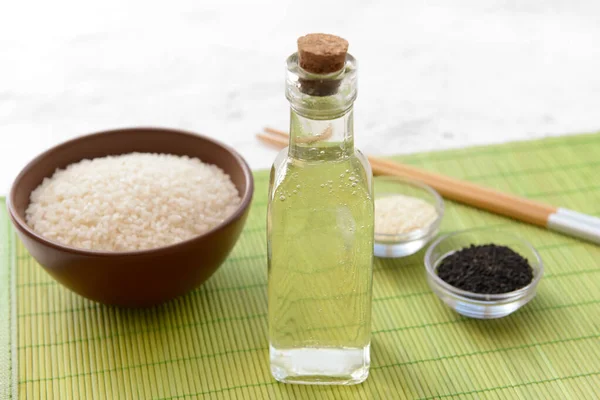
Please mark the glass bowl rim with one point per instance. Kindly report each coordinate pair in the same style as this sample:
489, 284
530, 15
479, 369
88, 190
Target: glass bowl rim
482, 297
415, 234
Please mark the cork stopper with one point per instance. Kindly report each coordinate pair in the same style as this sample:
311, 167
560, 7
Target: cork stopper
320, 53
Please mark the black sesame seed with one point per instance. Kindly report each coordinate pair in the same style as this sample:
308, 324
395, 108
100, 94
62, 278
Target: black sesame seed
486, 269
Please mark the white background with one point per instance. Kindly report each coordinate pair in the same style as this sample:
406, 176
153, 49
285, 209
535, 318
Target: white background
445, 74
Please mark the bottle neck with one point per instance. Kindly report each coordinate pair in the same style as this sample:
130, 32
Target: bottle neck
321, 138
321, 126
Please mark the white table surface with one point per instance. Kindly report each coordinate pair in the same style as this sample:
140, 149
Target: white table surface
431, 76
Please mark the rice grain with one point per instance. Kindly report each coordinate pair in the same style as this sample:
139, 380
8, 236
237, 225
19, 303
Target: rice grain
131, 202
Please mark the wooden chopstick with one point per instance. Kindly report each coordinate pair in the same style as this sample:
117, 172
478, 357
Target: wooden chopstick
277, 133
275, 141
519, 208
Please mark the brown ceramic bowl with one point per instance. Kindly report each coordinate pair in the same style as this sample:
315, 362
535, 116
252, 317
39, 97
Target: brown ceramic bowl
136, 278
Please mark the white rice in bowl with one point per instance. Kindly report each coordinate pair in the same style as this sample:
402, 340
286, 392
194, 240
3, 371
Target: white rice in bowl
131, 202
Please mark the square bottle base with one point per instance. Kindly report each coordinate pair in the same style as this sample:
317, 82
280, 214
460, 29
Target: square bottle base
320, 366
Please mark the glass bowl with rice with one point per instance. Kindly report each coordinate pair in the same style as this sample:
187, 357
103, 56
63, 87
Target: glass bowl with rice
408, 214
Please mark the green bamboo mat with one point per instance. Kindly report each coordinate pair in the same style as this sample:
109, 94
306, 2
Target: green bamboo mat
7, 309
212, 343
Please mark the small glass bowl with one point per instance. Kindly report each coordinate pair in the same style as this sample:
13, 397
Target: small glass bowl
476, 305
405, 244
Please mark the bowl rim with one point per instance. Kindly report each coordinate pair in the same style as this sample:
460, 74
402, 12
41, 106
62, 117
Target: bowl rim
22, 225
482, 297
417, 233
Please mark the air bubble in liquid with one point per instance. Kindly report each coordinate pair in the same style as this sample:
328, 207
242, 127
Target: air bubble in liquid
282, 198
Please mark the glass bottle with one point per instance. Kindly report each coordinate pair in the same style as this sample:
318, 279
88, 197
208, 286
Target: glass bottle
320, 236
